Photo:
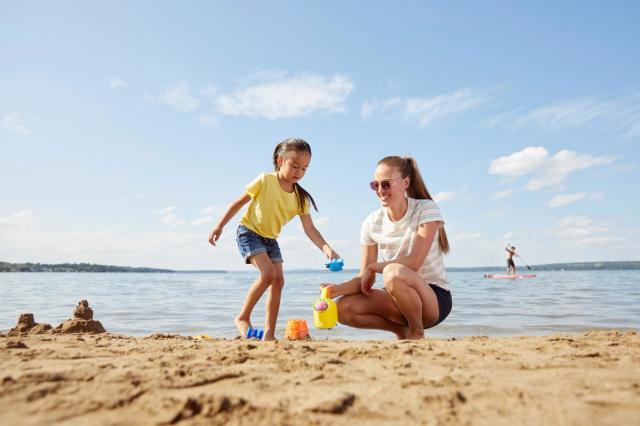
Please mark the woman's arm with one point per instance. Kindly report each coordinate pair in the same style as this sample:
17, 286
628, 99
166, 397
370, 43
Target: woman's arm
421, 245
231, 212
315, 236
352, 286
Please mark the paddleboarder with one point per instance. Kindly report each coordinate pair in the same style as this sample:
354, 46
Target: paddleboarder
511, 266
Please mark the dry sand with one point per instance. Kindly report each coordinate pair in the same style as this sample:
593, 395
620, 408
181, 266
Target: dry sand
593, 378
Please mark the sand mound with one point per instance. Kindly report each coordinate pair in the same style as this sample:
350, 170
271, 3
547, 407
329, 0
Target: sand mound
82, 322
27, 325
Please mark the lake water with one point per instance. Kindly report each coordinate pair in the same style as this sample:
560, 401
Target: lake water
193, 303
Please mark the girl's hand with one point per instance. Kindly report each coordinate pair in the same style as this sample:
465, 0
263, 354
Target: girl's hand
330, 253
366, 281
215, 234
332, 289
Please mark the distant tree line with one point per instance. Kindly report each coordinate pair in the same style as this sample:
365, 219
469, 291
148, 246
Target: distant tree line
71, 267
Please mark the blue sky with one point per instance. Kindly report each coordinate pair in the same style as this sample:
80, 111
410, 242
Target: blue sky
126, 129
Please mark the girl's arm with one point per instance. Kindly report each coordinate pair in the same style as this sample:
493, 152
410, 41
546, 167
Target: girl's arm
231, 212
315, 236
421, 245
369, 256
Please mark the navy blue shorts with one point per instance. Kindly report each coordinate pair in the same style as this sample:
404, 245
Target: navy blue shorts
444, 303
250, 244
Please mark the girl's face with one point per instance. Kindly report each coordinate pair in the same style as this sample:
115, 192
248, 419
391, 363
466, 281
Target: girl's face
389, 185
293, 165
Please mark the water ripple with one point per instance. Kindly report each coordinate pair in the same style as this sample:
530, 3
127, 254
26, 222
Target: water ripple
141, 304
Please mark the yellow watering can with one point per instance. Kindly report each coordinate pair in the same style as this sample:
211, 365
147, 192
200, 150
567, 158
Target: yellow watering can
325, 311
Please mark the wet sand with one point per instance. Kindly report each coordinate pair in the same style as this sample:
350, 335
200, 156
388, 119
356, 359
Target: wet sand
591, 378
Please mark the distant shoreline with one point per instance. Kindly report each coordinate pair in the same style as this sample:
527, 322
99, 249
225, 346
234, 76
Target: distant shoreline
89, 267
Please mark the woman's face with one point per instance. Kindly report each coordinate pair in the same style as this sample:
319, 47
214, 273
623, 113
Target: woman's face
390, 178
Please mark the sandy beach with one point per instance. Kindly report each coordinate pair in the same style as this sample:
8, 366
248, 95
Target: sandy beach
590, 378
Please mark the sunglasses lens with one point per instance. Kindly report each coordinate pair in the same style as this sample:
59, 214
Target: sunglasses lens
385, 184
373, 185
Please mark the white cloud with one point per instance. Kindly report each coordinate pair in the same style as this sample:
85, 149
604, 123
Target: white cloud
519, 163
425, 111
565, 199
209, 92
281, 96
579, 221
210, 210
118, 83
164, 210
172, 219
444, 196
574, 113
13, 123
600, 242
502, 194
179, 97
581, 227
21, 219
548, 170
621, 114
168, 216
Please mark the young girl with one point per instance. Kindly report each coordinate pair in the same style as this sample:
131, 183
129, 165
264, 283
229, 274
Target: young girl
275, 199
408, 231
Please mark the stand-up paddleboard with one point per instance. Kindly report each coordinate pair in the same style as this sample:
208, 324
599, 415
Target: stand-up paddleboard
513, 277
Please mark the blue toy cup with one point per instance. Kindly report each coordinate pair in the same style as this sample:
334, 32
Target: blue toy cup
335, 265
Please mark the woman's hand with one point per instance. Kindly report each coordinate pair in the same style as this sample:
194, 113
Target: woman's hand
332, 290
367, 280
215, 234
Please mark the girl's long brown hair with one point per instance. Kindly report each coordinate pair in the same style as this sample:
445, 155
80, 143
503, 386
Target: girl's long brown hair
297, 145
417, 189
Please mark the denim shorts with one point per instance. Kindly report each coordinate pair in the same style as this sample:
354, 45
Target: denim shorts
250, 244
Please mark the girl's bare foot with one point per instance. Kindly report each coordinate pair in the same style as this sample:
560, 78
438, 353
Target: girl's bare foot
269, 338
243, 326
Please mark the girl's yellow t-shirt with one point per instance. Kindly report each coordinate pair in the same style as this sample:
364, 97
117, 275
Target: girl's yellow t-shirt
271, 206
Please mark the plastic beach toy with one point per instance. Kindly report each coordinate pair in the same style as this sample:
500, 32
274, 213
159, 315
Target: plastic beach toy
255, 333
297, 330
325, 311
335, 265
202, 336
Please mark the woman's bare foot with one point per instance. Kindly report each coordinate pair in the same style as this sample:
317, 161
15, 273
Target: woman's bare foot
401, 332
243, 326
414, 335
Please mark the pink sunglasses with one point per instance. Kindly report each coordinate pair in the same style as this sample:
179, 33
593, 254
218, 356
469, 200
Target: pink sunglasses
384, 184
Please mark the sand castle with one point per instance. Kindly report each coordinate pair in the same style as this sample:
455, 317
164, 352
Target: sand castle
82, 322
27, 325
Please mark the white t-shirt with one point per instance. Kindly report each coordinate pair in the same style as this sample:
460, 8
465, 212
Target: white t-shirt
395, 239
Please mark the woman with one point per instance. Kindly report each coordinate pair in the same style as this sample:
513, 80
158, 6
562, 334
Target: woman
408, 231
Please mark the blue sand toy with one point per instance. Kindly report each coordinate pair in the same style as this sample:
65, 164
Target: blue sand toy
335, 265
255, 333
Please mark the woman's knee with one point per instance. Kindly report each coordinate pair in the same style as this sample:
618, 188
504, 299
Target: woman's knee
344, 305
392, 275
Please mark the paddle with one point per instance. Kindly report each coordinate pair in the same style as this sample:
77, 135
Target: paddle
525, 263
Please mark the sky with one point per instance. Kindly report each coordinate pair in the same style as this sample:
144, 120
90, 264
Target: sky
127, 128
